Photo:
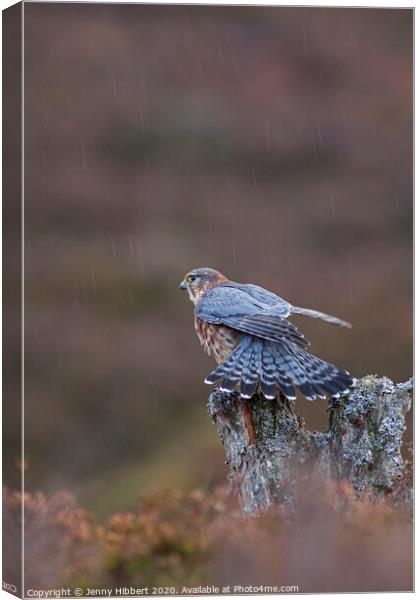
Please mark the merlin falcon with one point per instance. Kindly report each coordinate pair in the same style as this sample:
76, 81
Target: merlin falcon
245, 328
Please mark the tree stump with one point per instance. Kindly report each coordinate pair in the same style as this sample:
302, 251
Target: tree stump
362, 445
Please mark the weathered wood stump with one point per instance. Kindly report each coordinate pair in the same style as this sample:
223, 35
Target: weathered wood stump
362, 445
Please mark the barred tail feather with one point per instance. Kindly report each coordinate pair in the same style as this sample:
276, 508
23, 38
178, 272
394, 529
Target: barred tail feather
234, 375
249, 379
279, 366
218, 373
267, 373
325, 377
230, 371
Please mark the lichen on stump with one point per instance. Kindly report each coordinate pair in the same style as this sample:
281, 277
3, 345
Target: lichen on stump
362, 445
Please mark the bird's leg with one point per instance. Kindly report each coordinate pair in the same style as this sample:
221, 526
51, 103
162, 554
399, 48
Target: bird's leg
247, 415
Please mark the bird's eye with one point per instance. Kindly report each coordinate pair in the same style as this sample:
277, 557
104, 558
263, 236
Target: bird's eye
192, 277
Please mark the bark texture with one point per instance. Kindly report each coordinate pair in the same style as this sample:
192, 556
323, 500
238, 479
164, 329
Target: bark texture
362, 445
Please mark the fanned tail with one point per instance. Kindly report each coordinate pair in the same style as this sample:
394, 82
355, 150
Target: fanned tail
279, 367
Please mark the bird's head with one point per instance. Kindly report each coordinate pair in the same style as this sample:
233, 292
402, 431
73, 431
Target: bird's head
198, 281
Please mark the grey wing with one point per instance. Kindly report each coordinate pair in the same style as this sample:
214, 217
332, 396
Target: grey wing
225, 301
277, 306
268, 327
235, 308
271, 301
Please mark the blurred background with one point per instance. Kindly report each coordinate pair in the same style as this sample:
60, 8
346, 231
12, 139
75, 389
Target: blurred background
274, 144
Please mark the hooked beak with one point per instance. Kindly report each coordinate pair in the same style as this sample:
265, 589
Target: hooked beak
182, 285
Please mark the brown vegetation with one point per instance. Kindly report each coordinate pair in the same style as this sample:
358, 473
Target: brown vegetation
330, 542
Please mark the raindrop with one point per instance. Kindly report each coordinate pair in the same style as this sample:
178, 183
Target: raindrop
268, 135
83, 152
221, 56
318, 127
130, 239
315, 151
234, 255
93, 279
351, 278
141, 118
235, 65
210, 227
114, 84
394, 291
143, 92
47, 120
254, 178
113, 250
187, 29
228, 182
374, 185
332, 207
130, 299
305, 41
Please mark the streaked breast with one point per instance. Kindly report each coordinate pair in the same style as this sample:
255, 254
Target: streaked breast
217, 340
